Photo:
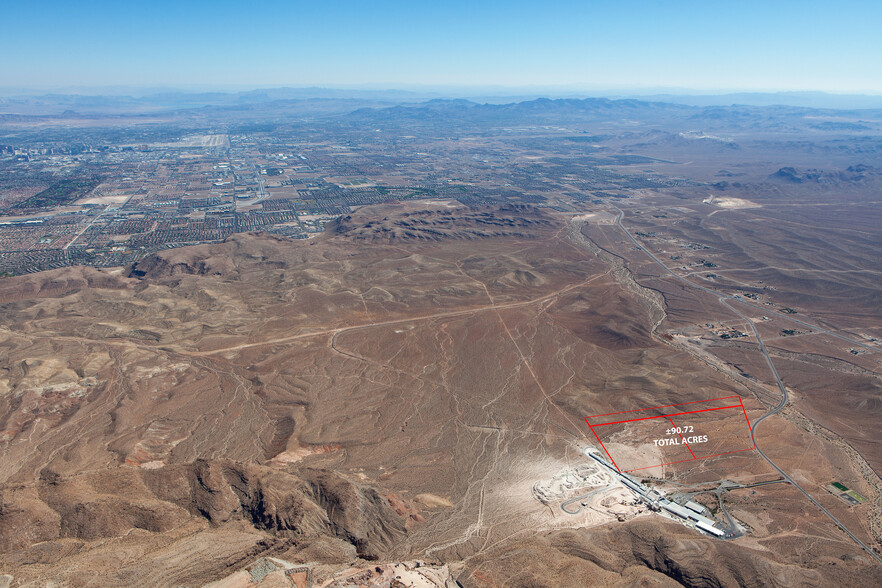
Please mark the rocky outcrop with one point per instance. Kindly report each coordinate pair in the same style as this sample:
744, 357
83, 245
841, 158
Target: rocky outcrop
111, 503
851, 175
54, 283
360, 516
655, 553
436, 225
249, 250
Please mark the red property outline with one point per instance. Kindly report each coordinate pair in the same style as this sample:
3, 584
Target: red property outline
668, 416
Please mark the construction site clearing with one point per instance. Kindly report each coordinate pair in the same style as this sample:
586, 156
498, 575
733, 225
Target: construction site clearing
597, 492
271, 572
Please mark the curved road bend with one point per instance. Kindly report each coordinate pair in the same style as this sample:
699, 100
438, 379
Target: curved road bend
564, 504
784, 396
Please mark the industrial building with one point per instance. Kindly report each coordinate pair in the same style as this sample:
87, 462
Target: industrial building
691, 514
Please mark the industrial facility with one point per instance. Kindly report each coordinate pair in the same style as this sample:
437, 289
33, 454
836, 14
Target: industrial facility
690, 514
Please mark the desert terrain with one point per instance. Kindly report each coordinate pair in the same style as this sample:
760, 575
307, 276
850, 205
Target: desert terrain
390, 391
378, 348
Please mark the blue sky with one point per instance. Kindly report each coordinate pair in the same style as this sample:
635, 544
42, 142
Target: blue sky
712, 45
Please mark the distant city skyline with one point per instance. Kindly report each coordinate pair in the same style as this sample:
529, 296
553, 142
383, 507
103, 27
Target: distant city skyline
575, 46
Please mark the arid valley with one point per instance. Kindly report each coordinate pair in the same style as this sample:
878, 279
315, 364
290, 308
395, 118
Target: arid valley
395, 383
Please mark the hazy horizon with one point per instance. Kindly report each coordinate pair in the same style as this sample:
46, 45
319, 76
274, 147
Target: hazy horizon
449, 89
122, 98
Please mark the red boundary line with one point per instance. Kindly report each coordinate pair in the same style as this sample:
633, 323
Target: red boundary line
683, 438
685, 460
602, 445
740, 404
662, 406
662, 416
749, 428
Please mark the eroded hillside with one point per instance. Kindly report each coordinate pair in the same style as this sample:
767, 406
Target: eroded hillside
389, 391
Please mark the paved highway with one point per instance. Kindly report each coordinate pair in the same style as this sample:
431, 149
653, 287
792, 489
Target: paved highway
724, 298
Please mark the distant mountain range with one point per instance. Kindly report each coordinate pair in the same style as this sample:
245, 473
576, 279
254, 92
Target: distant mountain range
544, 111
174, 100
806, 99
539, 110
278, 106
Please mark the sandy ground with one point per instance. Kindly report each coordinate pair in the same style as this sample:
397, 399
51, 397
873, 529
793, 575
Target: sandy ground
102, 200
730, 202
